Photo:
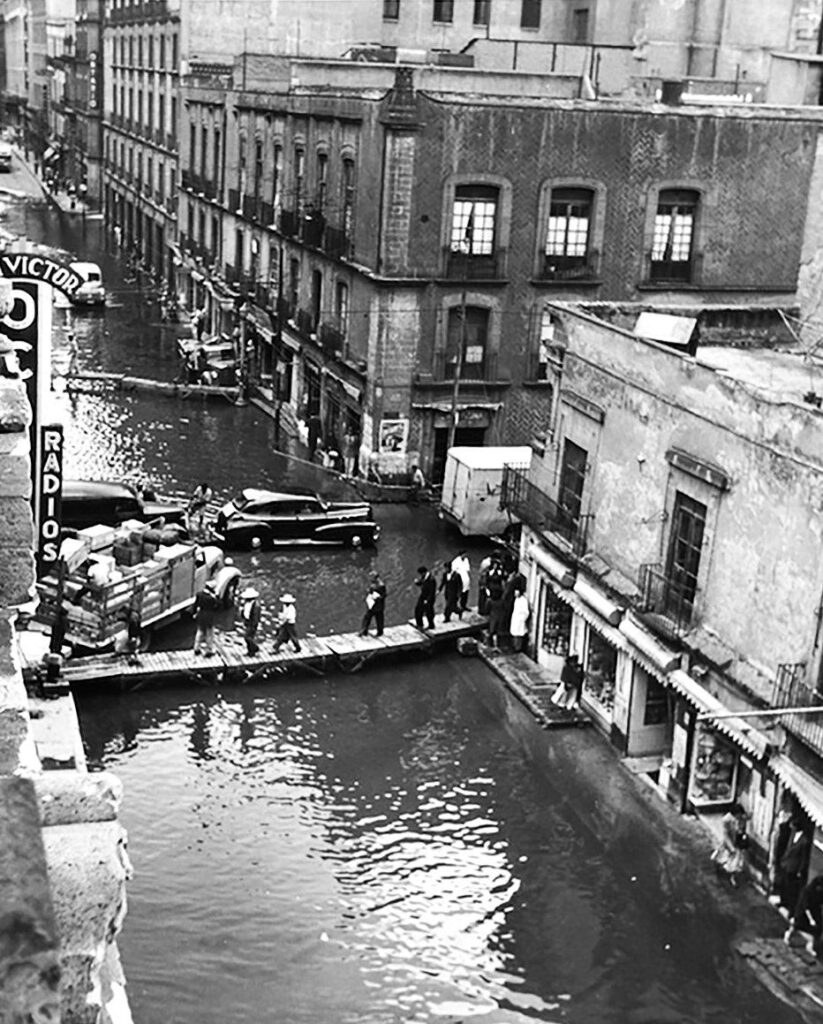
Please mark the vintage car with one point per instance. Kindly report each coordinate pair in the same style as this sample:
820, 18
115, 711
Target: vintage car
91, 291
271, 518
88, 502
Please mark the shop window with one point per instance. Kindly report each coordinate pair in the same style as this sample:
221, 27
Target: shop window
530, 14
672, 241
557, 625
468, 330
391, 10
656, 709
601, 670
568, 233
683, 562
572, 480
482, 12
714, 771
443, 11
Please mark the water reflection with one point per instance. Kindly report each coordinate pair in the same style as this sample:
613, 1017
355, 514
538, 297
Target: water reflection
401, 846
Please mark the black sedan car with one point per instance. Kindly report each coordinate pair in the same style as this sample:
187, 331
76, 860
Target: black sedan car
271, 518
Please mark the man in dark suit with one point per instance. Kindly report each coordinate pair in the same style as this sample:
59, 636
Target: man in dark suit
424, 609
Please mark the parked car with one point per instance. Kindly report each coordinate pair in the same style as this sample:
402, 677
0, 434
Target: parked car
6, 153
88, 502
273, 518
91, 292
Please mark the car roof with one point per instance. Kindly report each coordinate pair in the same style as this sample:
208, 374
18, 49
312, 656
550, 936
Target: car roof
95, 489
258, 494
85, 268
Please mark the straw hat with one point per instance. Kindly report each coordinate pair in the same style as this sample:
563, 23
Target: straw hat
287, 599
249, 594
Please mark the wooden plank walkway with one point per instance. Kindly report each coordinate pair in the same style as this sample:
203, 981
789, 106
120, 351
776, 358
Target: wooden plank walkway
347, 652
95, 382
533, 687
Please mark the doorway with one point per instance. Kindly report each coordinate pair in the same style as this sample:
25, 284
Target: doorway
466, 437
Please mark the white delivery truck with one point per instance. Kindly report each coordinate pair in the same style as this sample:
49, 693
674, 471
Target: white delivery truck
471, 487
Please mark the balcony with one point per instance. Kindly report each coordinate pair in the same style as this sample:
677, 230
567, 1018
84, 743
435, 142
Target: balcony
675, 271
792, 691
267, 214
337, 243
311, 229
289, 223
570, 268
668, 601
526, 502
466, 267
306, 322
331, 339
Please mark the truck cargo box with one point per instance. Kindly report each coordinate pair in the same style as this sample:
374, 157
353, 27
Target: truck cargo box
471, 487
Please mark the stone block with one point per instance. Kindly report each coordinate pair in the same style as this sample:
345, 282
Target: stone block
88, 867
16, 573
15, 471
56, 733
15, 411
29, 961
72, 797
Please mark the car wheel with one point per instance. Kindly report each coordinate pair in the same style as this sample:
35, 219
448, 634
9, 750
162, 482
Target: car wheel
230, 594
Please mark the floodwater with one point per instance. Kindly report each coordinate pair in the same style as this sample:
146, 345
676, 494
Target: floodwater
400, 845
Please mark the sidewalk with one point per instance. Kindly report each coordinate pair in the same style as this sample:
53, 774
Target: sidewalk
788, 972
57, 197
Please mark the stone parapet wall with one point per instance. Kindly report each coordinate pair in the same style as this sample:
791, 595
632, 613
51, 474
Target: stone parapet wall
63, 860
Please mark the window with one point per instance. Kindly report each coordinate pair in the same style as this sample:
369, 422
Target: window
294, 284
601, 670
316, 298
238, 250
656, 707
151, 51
671, 258
473, 220
173, 121
204, 150
192, 145
299, 176
217, 158
215, 237
201, 227
161, 111
468, 331
572, 479
348, 196
557, 624
443, 11
482, 10
174, 51
567, 236
391, 10
580, 25
162, 51
683, 562
322, 180
161, 178
258, 168
530, 14
341, 306
241, 168
277, 177
150, 109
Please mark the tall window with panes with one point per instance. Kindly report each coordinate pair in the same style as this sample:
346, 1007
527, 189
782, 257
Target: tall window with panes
217, 161
572, 481
241, 168
341, 307
673, 238
277, 178
688, 525
258, 171
348, 198
473, 231
482, 12
568, 233
322, 182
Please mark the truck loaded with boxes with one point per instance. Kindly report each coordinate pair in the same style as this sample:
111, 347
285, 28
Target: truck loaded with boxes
105, 572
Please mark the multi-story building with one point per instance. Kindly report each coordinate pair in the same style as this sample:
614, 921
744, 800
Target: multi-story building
400, 230
671, 527
83, 139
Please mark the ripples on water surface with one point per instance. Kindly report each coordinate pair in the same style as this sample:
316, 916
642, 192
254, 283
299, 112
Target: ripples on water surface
382, 848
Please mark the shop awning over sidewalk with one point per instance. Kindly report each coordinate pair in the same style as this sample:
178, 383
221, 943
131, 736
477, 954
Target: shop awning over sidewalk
739, 730
806, 788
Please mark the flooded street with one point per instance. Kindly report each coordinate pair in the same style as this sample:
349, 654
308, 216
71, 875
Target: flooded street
402, 845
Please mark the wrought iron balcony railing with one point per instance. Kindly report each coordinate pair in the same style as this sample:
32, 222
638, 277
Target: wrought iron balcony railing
337, 243
331, 338
664, 596
571, 268
289, 223
792, 691
469, 267
526, 502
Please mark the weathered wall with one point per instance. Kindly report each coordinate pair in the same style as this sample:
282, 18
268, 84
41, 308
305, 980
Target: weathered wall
760, 587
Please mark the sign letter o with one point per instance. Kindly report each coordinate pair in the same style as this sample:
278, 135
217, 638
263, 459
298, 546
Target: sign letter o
14, 319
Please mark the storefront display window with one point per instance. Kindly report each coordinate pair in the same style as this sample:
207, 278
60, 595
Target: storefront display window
601, 670
557, 625
656, 711
714, 769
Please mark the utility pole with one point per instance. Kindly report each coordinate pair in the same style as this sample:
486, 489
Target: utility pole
458, 370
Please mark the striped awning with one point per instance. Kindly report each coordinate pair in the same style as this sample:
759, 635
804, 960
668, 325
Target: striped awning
739, 730
607, 631
807, 789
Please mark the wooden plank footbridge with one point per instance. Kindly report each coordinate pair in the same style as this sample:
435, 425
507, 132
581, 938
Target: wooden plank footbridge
346, 652
99, 382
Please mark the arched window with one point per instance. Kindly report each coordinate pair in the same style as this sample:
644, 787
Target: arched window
673, 236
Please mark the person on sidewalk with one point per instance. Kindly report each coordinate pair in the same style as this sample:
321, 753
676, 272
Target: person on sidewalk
729, 855
197, 508
519, 626
424, 609
287, 624
462, 567
206, 607
791, 863
418, 484
567, 693
452, 587
375, 605
808, 916
250, 618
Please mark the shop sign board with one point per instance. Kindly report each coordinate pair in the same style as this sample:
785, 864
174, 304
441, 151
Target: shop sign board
50, 486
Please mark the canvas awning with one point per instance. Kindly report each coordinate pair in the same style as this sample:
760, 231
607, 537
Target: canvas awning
739, 730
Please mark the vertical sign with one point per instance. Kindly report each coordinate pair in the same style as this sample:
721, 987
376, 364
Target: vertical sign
18, 332
49, 489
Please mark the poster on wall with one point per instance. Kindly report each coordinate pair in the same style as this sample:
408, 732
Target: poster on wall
394, 437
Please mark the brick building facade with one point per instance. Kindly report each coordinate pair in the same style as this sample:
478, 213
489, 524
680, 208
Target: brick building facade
395, 232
